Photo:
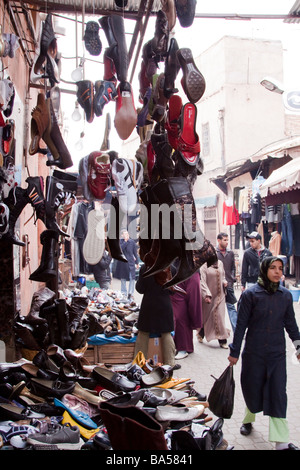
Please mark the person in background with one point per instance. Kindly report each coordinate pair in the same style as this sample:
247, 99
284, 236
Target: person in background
227, 258
213, 283
126, 271
187, 309
102, 272
266, 311
252, 258
155, 317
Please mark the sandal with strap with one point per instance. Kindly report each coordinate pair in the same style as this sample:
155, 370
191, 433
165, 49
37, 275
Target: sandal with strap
193, 82
188, 143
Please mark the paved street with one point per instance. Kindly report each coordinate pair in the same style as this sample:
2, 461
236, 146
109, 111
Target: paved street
209, 358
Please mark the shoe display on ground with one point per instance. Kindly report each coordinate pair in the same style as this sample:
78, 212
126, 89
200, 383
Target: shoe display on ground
57, 437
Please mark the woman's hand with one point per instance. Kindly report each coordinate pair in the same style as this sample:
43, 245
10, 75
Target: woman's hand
232, 360
207, 299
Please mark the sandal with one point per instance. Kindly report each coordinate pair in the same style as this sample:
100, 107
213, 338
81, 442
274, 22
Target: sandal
193, 82
188, 143
172, 124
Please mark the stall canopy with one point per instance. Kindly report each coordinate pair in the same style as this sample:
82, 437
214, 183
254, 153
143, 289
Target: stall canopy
283, 185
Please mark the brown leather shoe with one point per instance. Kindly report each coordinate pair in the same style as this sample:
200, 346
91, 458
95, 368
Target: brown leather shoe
39, 123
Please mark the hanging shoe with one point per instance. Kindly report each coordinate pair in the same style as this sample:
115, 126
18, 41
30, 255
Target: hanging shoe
126, 114
185, 12
85, 97
48, 44
193, 82
105, 91
159, 42
113, 27
94, 243
128, 177
59, 188
38, 124
113, 231
15, 201
173, 125
54, 140
159, 99
91, 38
172, 68
188, 144
168, 7
99, 174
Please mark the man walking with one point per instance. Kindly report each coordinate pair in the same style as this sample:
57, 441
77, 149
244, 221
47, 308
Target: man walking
253, 256
227, 257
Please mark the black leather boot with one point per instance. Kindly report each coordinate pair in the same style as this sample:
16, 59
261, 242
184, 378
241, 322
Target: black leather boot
172, 68
113, 233
62, 316
42, 297
48, 267
76, 310
113, 27
166, 244
15, 201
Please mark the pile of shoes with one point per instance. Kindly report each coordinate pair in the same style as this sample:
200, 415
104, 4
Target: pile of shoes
70, 322
60, 401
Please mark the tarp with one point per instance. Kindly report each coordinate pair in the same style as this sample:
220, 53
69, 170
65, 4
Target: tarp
102, 339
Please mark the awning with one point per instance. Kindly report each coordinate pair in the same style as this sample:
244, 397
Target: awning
284, 183
261, 160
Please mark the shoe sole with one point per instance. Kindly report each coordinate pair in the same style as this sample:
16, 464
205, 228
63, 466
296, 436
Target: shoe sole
60, 446
193, 81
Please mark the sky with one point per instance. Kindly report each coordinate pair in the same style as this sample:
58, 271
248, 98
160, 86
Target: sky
201, 35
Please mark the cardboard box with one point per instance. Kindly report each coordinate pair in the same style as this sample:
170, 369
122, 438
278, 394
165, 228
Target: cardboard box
155, 350
110, 353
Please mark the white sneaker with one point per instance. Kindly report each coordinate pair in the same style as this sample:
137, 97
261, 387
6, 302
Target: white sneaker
132, 316
181, 355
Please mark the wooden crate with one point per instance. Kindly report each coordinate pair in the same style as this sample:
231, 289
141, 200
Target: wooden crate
114, 353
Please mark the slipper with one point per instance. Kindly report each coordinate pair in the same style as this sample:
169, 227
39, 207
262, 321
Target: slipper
94, 243
172, 125
173, 382
188, 143
193, 82
79, 416
91, 38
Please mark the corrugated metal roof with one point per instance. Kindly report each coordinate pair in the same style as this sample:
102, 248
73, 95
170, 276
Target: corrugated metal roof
294, 13
97, 7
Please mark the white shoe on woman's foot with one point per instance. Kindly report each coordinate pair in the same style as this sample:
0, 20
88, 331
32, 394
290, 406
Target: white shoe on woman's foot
181, 355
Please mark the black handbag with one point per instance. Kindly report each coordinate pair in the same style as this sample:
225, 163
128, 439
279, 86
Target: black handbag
221, 396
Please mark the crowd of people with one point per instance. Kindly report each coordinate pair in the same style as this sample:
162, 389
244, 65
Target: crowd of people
264, 311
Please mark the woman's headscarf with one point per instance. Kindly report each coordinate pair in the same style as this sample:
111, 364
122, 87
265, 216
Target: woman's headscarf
263, 279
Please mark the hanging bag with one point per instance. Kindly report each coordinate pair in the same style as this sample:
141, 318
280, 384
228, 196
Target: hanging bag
221, 396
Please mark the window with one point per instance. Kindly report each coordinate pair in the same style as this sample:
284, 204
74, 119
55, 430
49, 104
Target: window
205, 140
